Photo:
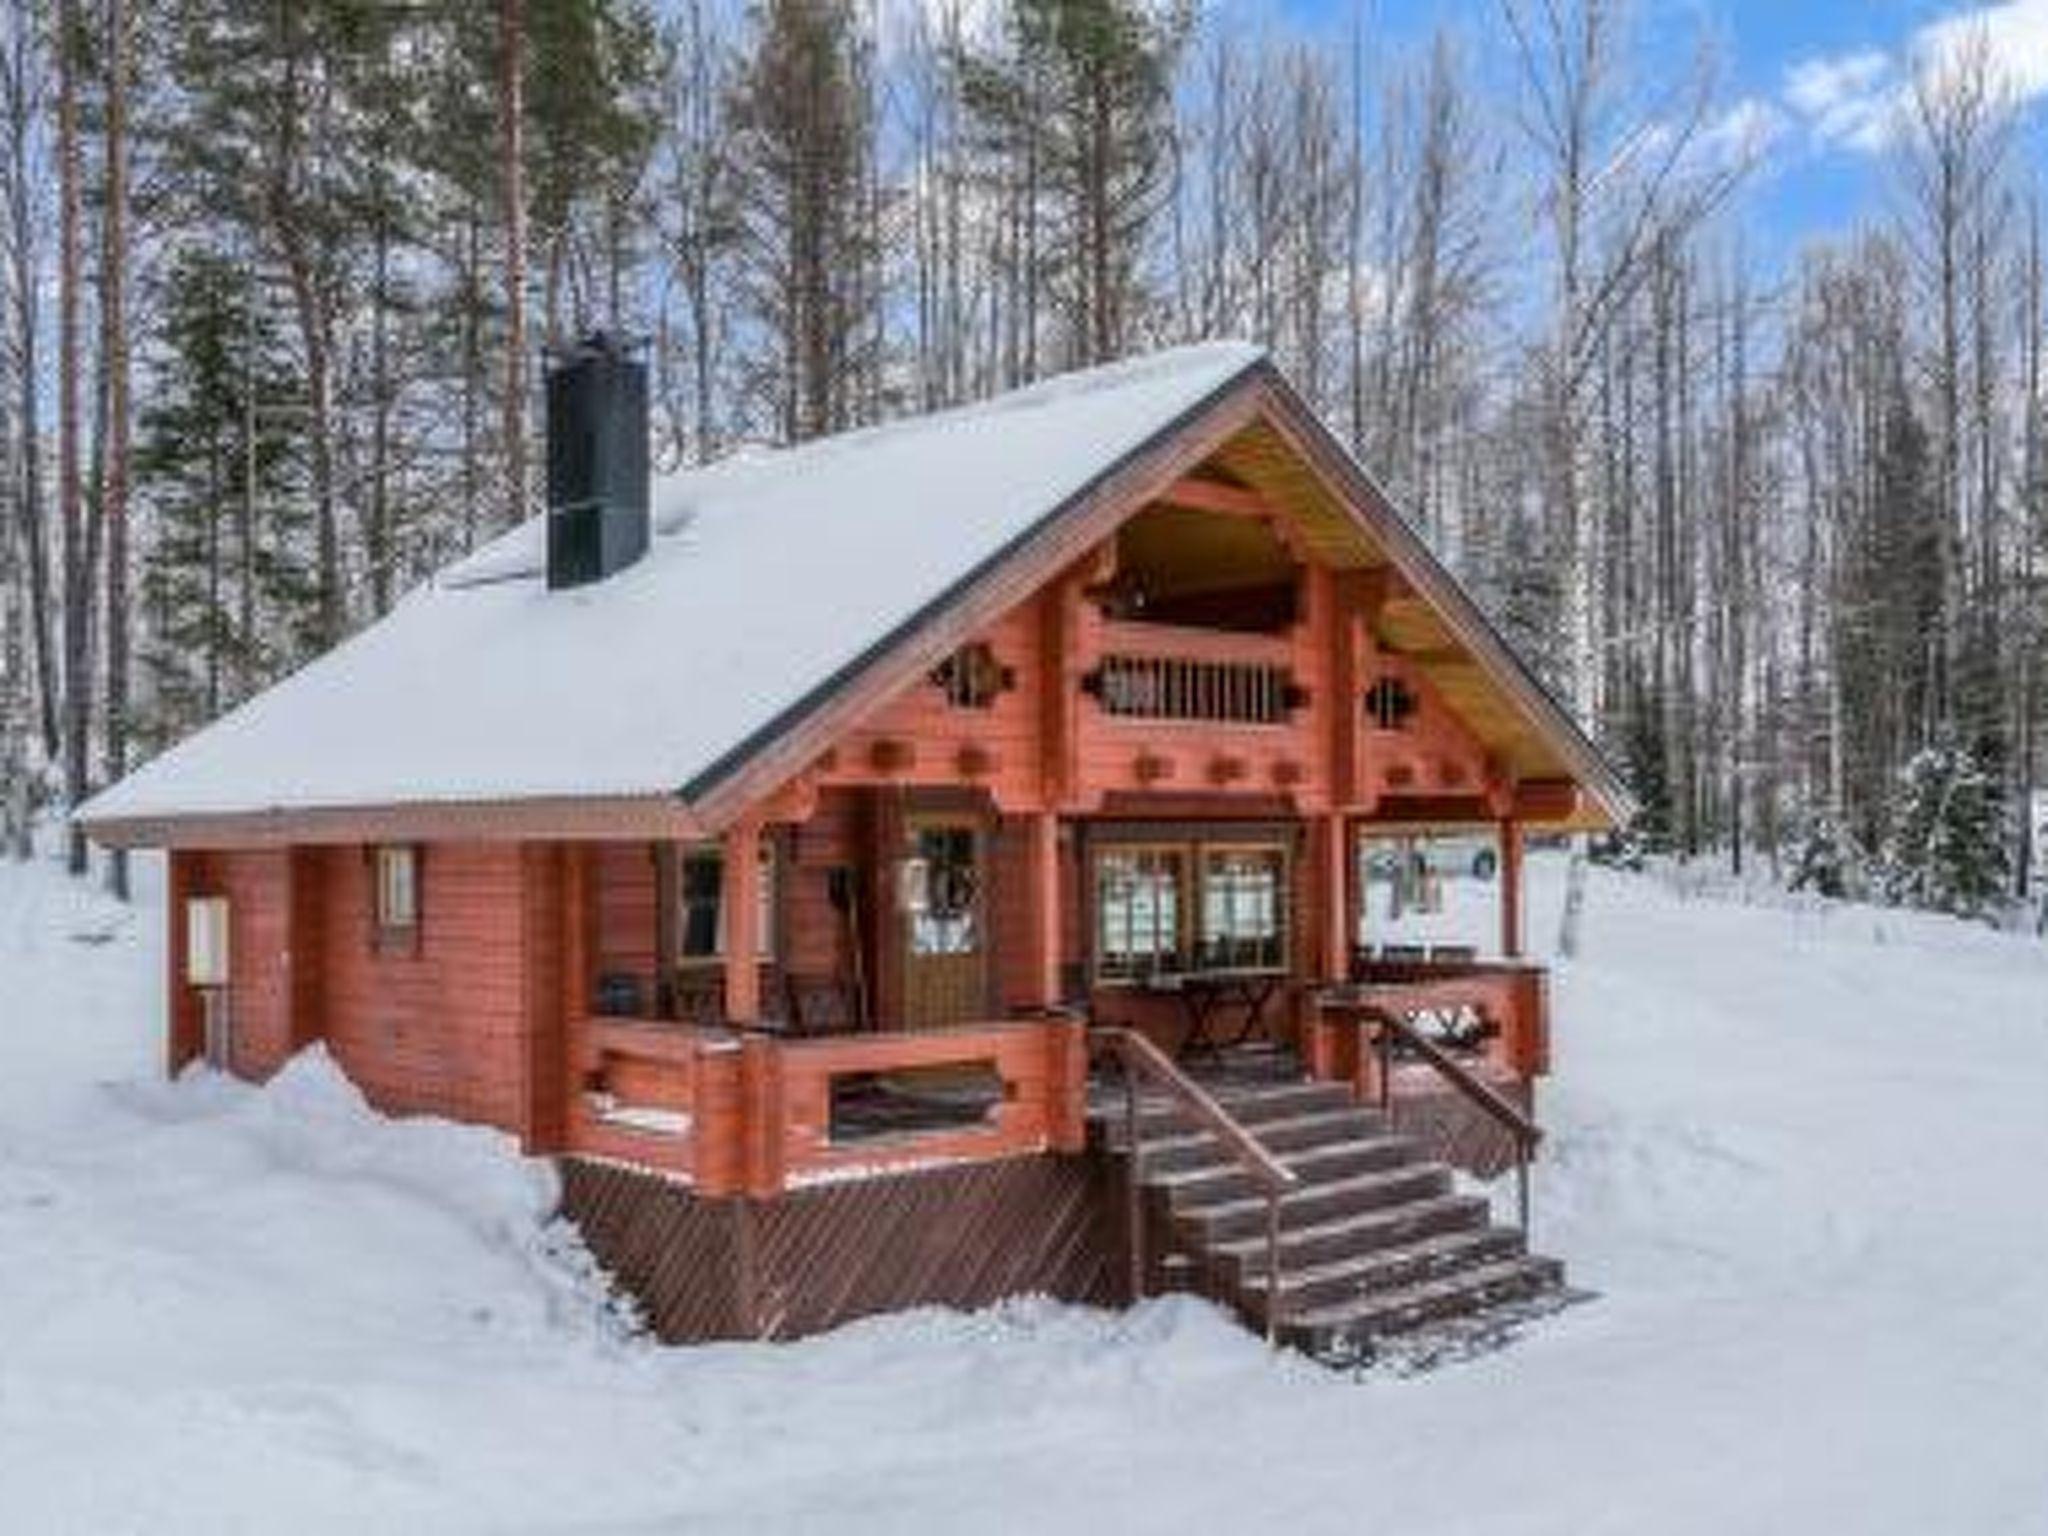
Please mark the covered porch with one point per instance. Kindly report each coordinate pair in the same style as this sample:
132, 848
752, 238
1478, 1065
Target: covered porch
905, 978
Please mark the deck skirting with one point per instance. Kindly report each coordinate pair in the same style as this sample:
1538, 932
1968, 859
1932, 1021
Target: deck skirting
813, 1258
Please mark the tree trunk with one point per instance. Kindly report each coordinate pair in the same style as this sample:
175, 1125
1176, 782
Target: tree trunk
114, 347
70, 509
511, 151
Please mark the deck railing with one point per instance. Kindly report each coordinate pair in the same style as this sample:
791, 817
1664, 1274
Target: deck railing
1144, 1062
750, 1112
1182, 688
1383, 1017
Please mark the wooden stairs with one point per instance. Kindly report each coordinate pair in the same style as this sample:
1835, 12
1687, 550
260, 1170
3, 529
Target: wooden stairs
1379, 1254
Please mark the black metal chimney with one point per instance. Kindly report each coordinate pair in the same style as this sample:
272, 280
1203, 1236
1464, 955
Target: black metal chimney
597, 462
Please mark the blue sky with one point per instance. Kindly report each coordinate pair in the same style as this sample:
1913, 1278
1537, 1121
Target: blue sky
1812, 80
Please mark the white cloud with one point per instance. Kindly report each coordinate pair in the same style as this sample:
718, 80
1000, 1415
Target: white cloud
2015, 35
1847, 99
1743, 132
1853, 100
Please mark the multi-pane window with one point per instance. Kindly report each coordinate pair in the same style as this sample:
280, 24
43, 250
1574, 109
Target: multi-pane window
1161, 909
1243, 898
1138, 911
701, 903
945, 899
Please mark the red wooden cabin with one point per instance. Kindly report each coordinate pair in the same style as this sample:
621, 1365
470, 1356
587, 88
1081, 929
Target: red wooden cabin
769, 850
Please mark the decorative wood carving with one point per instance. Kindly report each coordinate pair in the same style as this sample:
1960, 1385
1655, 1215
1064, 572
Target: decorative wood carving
892, 756
1226, 768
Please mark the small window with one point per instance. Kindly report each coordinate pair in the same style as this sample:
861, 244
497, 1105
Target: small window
701, 875
1388, 704
972, 678
397, 897
942, 889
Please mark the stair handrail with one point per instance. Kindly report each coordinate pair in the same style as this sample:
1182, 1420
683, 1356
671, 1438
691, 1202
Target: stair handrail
1141, 1058
1389, 1026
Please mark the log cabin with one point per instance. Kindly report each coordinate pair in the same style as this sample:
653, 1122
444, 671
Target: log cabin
921, 865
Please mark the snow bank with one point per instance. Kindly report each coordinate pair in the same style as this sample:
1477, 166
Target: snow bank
1796, 1150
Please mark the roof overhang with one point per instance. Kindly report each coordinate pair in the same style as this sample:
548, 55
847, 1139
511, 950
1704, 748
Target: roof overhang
558, 819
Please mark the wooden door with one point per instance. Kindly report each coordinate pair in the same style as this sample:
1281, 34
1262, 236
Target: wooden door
943, 904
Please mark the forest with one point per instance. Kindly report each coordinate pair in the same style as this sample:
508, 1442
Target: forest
277, 283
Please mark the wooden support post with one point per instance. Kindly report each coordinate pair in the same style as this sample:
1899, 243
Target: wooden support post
305, 992
579, 930
740, 906
667, 947
1511, 888
185, 1032
1066, 1085
1334, 838
557, 960
1059, 691
1346, 602
718, 1140
1042, 863
762, 1114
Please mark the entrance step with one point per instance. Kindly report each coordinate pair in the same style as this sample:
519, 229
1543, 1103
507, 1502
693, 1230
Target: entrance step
1377, 1243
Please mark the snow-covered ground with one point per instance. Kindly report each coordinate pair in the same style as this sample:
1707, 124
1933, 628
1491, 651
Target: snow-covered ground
1797, 1150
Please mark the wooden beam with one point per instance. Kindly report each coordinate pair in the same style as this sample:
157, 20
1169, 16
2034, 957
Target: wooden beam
1377, 587
1199, 495
1442, 656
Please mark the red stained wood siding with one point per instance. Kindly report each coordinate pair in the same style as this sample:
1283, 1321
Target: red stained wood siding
441, 1031
488, 1019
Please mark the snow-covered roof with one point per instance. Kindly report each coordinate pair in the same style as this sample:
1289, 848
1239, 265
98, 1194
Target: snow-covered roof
769, 575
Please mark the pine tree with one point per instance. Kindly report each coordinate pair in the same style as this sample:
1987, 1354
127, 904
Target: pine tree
229, 590
1948, 843
1818, 855
1079, 101
801, 111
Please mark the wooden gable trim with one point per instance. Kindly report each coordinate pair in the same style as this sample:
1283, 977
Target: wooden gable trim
1215, 496
1419, 570
1061, 537
1155, 471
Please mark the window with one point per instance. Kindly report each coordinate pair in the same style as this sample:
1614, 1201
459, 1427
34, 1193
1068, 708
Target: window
396, 867
1388, 704
1189, 906
1243, 895
701, 903
943, 890
972, 678
1137, 911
